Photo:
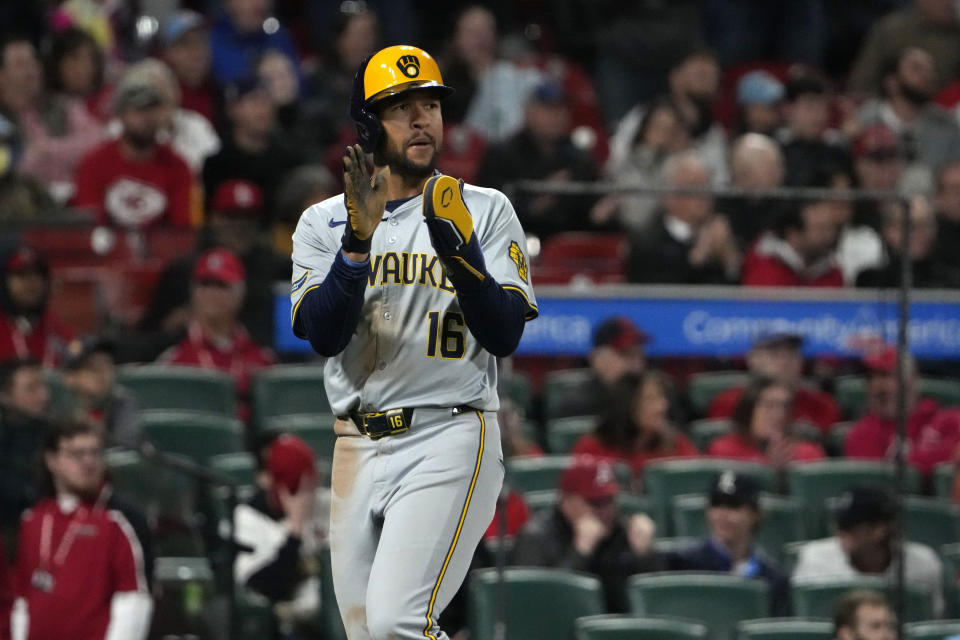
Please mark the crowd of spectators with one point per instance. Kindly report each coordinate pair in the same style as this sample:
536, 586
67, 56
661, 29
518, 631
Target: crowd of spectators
219, 122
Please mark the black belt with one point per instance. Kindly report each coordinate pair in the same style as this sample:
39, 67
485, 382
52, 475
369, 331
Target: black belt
378, 424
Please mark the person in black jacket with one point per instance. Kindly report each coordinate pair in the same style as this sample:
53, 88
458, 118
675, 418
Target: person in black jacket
543, 150
584, 533
687, 243
733, 517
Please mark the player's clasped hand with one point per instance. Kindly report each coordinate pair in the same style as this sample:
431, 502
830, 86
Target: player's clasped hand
365, 200
451, 229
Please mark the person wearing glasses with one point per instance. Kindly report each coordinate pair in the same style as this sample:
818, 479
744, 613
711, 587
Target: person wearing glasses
82, 566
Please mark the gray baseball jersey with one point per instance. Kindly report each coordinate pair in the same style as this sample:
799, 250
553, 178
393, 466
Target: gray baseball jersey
412, 347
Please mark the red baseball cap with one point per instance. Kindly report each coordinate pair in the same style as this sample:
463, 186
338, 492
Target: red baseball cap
237, 196
289, 459
220, 265
884, 360
620, 333
25, 259
590, 478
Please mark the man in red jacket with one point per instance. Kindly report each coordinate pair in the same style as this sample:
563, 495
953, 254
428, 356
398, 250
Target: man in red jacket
135, 181
215, 338
932, 433
778, 356
81, 571
28, 329
798, 251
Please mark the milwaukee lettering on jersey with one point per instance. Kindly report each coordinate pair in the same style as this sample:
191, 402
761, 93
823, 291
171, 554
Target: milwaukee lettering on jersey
401, 268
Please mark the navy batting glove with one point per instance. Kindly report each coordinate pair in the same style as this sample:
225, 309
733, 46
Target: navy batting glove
451, 230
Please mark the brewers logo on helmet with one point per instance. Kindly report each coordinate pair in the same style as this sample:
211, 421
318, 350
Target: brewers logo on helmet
386, 73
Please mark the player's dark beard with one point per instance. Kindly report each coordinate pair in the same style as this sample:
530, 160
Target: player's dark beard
139, 141
387, 156
916, 97
704, 118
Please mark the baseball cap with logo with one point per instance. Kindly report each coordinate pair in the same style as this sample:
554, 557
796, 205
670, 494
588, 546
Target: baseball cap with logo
219, 265
590, 478
620, 333
731, 489
237, 196
863, 505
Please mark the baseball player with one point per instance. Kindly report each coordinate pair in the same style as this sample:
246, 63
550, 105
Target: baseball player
411, 283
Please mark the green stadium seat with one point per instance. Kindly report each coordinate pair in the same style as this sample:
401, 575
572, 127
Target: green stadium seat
192, 434
255, 618
850, 393
187, 588
815, 482
674, 544
560, 385
167, 499
945, 392
627, 503
316, 429
718, 600
540, 501
241, 467
495, 545
563, 433
331, 625
180, 388
791, 553
287, 389
932, 630
516, 386
943, 480
537, 602
782, 522
543, 473
707, 385
836, 443
806, 431
623, 627
631, 503
931, 521
785, 629
950, 556
815, 598
536, 474
664, 479
706, 430
61, 398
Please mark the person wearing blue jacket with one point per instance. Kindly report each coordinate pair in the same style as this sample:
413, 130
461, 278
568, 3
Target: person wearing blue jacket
733, 517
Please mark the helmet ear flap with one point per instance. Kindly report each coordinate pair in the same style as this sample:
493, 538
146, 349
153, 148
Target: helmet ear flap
366, 122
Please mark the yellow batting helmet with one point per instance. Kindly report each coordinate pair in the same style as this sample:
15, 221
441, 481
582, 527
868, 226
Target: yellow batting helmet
386, 73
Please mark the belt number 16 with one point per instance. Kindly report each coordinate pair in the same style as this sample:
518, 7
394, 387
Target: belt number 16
447, 335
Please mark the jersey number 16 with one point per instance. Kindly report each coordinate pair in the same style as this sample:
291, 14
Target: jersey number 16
446, 335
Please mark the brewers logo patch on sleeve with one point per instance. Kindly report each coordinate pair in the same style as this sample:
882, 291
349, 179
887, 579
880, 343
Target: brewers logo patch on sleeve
516, 254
